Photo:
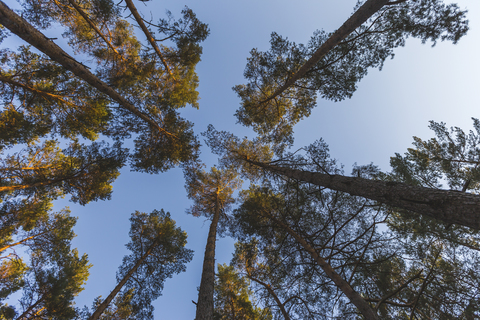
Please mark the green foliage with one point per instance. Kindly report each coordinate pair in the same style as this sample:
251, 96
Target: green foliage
55, 273
155, 231
336, 75
232, 297
84, 172
210, 190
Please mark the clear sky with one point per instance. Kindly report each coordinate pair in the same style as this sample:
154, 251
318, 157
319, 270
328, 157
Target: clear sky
390, 106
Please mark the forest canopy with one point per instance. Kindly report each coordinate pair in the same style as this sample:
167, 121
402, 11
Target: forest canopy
113, 90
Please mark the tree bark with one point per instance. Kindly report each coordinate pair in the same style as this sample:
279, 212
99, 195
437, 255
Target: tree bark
363, 306
446, 205
119, 286
205, 294
356, 20
147, 33
27, 32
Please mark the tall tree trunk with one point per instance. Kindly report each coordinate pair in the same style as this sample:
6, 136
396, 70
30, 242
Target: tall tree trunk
446, 205
119, 286
205, 294
363, 306
356, 20
27, 32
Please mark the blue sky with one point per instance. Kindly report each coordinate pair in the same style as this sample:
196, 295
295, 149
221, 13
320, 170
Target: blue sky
390, 106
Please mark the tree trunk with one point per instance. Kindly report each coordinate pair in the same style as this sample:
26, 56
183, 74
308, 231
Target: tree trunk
363, 306
446, 205
356, 20
22, 241
27, 32
119, 286
147, 33
205, 294
24, 315
285, 314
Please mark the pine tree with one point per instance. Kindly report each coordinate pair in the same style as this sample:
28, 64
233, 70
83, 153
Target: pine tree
158, 251
212, 196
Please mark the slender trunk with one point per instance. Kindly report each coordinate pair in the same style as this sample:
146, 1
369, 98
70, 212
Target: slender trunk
285, 314
446, 205
205, 294
119, 286
22, 241
24, 315
27, 32
147, 33
44, 94
94, 27
355, 21
363, 306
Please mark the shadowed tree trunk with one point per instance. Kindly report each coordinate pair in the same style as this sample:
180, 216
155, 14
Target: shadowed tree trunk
446, 205
363, 306
207, 284
119, 286
355, 21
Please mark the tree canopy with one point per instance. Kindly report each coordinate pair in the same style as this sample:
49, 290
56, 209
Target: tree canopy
312, 242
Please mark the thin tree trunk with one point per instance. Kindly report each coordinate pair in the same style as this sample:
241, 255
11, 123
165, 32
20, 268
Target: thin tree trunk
285, 314
147, 33
446, 205
119, 286
205, 294
94, 27
363, 306
22, 241
27, 32
356, 20
24, 315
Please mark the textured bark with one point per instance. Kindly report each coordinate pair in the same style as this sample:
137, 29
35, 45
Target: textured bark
363, 306
27, 32
119, 286
147, 33
205, 294
355, 21
446, 205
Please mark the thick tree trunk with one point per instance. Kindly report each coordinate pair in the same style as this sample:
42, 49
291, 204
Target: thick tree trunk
27, 32
119, 286
446, 205
205, 294
363, 306
355, 21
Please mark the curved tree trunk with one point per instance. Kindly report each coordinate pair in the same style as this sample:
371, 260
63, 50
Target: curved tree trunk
205, 294
446, 205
